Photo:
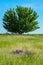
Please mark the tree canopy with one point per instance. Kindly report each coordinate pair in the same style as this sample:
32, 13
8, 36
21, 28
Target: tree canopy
20, 20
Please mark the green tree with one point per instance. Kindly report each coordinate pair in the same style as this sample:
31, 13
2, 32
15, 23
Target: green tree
20, 20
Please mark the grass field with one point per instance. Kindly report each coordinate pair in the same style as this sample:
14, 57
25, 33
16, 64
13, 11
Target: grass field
32, 43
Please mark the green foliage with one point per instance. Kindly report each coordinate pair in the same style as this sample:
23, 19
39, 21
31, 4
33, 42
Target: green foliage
20, 20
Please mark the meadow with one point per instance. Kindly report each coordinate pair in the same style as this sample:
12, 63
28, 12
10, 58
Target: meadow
32, 42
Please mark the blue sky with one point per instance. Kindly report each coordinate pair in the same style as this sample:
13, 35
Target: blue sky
37, 5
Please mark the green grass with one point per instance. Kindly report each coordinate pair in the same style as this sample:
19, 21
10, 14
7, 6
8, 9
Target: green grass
32, 43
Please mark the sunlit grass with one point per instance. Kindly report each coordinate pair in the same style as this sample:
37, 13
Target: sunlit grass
32, 43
